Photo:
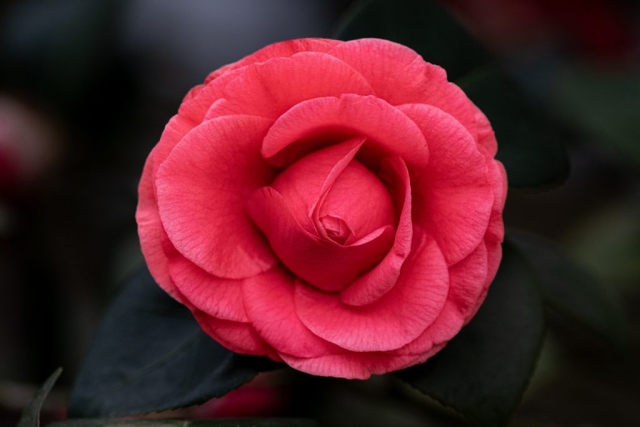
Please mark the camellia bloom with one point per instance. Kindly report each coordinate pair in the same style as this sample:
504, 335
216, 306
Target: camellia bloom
334, 205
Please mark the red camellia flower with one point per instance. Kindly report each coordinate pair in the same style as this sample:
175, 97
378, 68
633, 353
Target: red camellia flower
333, 205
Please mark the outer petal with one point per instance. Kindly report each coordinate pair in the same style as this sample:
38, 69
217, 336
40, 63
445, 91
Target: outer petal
269, 302
150, 229
453, 198
356, 365
331, 119
269, 89
377, 282
277, 50
394, 320
322, 262
400, 76
468, 279
236, 336
220, 298
202, 190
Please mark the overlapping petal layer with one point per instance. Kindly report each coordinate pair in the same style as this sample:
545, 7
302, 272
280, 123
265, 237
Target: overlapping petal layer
333, 205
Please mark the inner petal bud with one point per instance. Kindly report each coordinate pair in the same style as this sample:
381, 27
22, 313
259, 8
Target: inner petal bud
336, 228
355, 205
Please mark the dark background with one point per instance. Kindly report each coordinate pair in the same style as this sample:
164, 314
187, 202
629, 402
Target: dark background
87, 86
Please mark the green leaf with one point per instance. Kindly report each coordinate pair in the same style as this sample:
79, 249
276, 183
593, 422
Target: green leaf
570, 289
149, 354
529, 146
227, 422
603, 104
31, 413
483, 372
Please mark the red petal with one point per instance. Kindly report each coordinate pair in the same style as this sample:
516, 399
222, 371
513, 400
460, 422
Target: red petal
329, 119
236, 336
453, 198
324, 263
400, 76
394, 320
303, 183
269, 303
220, 298
277, 50
202, 191
269, 89
377, 282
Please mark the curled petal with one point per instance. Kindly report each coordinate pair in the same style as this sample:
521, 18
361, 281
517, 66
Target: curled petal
379, 280
303, 183
400, 76
468, 280
202, 202
324, 263
453, 198
220, 298
394, 320
355, 365
331, 119
297, 78
268, 298
277, 50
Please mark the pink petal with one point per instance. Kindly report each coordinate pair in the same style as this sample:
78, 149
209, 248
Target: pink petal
277, 50
400, 76
467, 280
498, 182
303, 183
202, 191
268, 298
269, 89
377, 282
324, 263
453, 197
486, 138
394, 320
237, 337
354, 365
444, 327
330, 119
220, 298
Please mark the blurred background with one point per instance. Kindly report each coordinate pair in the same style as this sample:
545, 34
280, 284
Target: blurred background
86, 88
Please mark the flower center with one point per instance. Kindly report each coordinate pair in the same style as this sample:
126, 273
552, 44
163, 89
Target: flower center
336, 228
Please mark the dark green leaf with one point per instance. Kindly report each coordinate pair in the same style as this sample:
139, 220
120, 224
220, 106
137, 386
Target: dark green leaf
528, 144
483, 372
604, 105
570, 289
228, 422
31, 413
150, 355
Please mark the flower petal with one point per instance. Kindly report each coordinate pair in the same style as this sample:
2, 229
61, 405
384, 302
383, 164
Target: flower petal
355, 365
394, 320
202, 189
277, 50
324, 263
453, 198
377, 282
236, 336
303, 183
330, 119
400, 76
268, 298
269, 89
220, 298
